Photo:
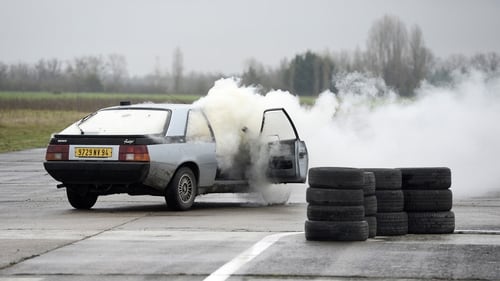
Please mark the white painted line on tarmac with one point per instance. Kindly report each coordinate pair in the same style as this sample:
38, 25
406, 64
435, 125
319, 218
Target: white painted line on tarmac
478, 231
232, 266
21, 279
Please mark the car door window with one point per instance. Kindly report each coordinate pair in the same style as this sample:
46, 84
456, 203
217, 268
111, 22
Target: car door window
277, 127
198, 129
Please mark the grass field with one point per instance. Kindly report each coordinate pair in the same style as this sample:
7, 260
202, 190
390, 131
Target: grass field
29, 128
27, 119
81, 101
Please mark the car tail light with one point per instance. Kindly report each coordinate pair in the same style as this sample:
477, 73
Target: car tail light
134, 153
57, 152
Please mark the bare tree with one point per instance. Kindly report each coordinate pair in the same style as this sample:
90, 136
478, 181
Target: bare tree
48, 74
419, 58
117, 68
177, 69
3, 76
486, 62
359, 61
386, 48
87, 73
254, 73
22, 76
343, 60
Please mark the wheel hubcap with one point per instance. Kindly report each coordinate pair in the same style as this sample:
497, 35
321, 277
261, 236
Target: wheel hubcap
185, 188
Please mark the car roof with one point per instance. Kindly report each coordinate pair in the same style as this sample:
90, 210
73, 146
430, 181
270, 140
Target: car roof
170, 106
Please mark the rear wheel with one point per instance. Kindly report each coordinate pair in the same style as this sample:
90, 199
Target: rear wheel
181, 190
80, 198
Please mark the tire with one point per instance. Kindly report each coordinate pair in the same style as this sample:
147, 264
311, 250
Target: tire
334, 197
426, 178
181, 190
80, 198
338, 178
370, 205
390, 201
336, 230
386, 179
389, 224
369, 183
428, 200
372, 226
431, 222
335, 213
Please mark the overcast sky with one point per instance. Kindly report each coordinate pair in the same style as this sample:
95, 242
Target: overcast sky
221, 35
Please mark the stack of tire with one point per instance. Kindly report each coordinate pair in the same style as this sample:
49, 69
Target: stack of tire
370, 203
391, 217
428, 200
336, 205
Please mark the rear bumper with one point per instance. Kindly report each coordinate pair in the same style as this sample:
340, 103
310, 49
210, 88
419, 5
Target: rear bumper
88, 172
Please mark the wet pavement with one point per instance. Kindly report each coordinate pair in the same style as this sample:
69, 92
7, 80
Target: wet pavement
224, 237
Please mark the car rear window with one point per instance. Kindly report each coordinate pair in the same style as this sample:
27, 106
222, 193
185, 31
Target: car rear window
122, 122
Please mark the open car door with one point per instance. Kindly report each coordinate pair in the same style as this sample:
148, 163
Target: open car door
287, 154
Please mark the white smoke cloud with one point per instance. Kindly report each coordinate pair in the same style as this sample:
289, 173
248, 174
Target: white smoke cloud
366, 125
454, 126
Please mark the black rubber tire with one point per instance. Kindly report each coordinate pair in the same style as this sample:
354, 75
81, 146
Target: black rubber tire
335, 213
370, 205
386, 179
426, 178
336, 230
369, 183
372, 226
80, 198
428, 200
431, 222
390, 201
389, 224
337, 178
182, 190
334, 197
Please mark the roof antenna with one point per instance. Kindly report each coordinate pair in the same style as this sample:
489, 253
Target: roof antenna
127, 102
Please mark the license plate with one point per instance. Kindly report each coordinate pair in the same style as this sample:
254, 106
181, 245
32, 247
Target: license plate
93, 152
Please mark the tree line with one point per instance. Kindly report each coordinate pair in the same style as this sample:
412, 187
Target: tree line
99, 74
393, 52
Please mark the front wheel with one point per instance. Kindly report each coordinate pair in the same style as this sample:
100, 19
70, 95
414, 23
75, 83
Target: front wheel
80, 198
181, 190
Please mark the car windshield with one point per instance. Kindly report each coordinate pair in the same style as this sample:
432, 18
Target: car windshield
130, 121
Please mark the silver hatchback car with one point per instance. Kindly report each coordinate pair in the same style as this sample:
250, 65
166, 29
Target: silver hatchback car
165, 150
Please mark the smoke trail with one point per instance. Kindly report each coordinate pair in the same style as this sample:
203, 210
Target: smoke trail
366, 125
454, 126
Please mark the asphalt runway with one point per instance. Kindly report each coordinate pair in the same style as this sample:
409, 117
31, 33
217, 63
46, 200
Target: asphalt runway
224, 237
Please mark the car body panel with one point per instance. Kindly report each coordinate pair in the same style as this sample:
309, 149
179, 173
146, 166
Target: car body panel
166, 158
